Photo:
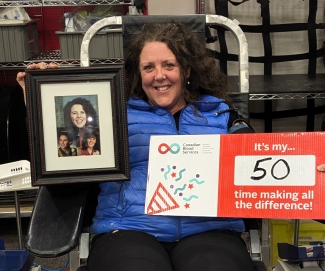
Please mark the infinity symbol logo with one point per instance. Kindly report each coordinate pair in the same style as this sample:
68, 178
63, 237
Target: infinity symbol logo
174, 148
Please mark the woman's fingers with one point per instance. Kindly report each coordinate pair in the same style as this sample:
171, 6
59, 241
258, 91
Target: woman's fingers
41, 66
321, 167
20, 79
21, 75
32, 66
53, 65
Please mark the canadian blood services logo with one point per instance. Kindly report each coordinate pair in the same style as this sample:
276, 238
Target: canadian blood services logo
174, 148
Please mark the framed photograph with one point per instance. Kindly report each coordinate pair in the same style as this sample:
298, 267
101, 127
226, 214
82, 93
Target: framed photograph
77, 125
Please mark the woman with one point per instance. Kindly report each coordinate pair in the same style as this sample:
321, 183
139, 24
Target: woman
174, 87
90, 142
78, 114
65, 141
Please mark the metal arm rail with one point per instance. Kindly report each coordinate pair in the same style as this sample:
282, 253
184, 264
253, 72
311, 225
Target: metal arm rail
231, 25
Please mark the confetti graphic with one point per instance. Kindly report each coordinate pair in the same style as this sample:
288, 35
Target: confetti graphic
197, 181
179, 189
161, 201
180, 175
167, 172
190, 198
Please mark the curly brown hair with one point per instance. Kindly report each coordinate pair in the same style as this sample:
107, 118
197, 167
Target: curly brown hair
205, 76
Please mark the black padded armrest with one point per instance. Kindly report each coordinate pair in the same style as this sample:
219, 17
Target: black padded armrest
56, 220
251, 223
241, 101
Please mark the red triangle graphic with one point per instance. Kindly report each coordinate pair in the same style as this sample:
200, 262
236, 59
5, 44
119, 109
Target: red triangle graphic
160, 195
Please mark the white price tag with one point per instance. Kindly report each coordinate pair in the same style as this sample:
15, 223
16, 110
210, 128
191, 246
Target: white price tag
273, 170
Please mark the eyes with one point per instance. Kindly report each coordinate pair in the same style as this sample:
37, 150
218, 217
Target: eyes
92, 138
77, 112
167, 66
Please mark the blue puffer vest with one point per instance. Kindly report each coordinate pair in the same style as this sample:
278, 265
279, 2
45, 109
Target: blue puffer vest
121, 204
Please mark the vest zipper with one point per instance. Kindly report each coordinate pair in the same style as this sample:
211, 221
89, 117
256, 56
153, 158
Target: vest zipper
226, 110
178, 219
178, 227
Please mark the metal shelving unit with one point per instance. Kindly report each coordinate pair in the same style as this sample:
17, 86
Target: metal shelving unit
285, 96
282, 87
55, 56
50, 3
20, 4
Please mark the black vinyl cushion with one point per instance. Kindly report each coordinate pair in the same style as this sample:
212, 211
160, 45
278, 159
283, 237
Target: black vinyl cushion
56, 221
259, 266
82, 268
132, 25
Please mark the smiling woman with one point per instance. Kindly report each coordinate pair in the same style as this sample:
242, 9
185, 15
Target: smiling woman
174, 87
161, 77
78, 114
65, 141
90, 142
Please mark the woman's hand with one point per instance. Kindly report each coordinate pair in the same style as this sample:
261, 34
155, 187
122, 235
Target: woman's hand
21, 75
321, 168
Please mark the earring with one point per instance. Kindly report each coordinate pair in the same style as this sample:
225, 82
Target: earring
188, 82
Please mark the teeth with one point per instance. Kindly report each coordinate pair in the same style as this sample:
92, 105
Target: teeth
162, 88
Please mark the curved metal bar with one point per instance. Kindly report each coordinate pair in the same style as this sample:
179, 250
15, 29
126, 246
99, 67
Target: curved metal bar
91, 32
233, 26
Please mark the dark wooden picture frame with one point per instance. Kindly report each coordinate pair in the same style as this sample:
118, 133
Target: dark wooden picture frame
50, 95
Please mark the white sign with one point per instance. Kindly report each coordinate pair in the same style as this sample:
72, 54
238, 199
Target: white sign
183, 175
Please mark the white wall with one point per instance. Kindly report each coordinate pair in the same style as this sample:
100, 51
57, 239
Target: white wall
171, 7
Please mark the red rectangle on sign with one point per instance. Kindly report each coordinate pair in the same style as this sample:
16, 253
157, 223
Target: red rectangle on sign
272, 175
